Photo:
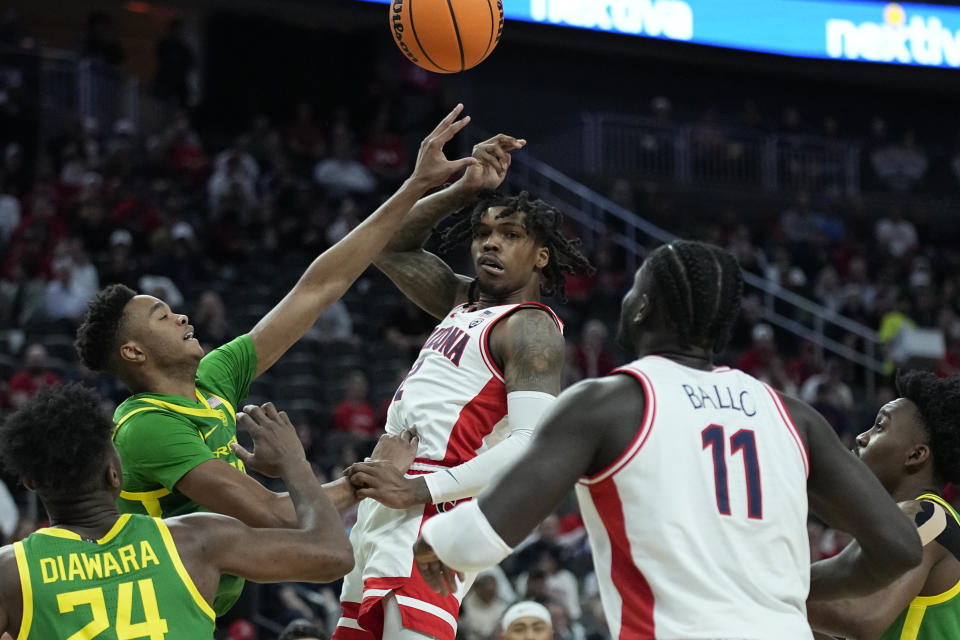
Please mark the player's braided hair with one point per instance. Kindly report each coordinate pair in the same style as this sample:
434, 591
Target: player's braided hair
938, 403
59, 440
97, 335
698, 286
541, 220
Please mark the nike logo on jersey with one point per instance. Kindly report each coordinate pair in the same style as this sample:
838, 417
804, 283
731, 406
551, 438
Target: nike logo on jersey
207, 434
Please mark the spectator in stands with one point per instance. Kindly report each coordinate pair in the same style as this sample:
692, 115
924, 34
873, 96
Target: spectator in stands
22, 296
210, 320
756, 360
119, 265
808, 362
563, 627
175, 63
593, 358
527, 620
84, 279
342, 172
857, 284
61, 302
896, 235
900, 166
408, 327
9, 214
482, 609
302, 630
355, 415
35, 375
828, 290
383, 151
333, 325
304, 137
100, 40
232, 187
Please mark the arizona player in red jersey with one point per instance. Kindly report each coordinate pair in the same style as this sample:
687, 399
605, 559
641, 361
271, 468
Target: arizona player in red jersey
693, 480
479, 386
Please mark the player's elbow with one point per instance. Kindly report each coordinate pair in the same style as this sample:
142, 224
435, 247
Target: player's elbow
341, 563
330, 562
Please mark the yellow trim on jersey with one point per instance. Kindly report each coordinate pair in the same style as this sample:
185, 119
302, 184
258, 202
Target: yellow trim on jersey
182, 571
26, 618
128, 416
66, 534
918, 606
225, 402
943, 503
149, 499
203, 413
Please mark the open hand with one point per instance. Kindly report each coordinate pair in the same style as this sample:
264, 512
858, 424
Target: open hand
437, 575
400, 450
493, 159
433, 168
275, 442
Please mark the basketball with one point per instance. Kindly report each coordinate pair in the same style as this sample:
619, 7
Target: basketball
446, 36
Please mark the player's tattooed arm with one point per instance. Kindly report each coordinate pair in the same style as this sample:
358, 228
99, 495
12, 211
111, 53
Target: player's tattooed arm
425, 279
422, 276
531, 350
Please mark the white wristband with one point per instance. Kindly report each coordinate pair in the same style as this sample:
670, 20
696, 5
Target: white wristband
524, 411
464, 540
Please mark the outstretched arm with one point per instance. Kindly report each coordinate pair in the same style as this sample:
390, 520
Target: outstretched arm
589, 426
420, 275
222, 489
847, 496
331, 274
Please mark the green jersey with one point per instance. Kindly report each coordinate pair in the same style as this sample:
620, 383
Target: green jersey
933, 617
128, 584
162, 437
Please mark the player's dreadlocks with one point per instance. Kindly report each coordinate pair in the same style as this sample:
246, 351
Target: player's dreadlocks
59, 440
541, 220
938, 403
699, 287
96, 341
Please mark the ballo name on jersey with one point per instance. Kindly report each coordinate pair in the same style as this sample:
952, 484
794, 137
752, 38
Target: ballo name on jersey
451, 342
671, 19
721, 398
915, 39
89, 566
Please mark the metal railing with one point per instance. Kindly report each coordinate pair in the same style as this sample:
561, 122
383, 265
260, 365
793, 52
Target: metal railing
597, 215
715, 155
70, 87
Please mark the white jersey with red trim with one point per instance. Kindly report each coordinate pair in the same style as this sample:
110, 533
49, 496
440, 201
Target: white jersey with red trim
456, 399
699, 530
454, 394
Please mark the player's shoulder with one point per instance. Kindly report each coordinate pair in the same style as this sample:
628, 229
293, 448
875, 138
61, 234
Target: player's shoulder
616, 392
9, 572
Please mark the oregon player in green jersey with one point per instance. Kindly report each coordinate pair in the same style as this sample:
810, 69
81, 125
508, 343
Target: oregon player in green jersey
176, 433
913, 448
95, 573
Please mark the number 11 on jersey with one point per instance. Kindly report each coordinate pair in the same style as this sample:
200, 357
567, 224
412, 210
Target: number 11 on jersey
743, 441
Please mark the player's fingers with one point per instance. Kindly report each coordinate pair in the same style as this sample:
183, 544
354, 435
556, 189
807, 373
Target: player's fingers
270, 410
451, 130
463, 163
449, 578
254, 412
450, 117
248, 423
486, 156
285, 419
504, 141
241, 453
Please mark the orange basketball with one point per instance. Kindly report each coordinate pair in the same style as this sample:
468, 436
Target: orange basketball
446, 36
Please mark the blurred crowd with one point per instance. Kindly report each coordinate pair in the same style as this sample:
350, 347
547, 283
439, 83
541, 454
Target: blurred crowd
219, 226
